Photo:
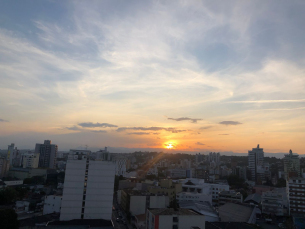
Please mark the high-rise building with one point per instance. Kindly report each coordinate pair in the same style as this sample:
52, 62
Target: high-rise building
10, 152
256, 163
88, 189
291, 164
295, 193
47, 154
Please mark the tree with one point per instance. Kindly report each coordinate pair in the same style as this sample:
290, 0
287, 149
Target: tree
8, 219
8, 195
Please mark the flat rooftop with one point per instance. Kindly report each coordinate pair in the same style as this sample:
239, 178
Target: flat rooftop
172, 211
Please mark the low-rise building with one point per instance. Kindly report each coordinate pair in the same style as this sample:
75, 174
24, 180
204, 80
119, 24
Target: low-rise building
136, 202
229, 197
166, 218
204, 208
22, 206
199, 186
253, 199
193, 197
275, 202
52, 204
167, 187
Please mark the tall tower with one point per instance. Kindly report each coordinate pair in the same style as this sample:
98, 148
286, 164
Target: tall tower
10, 152
88, 189
47, 154
256, 163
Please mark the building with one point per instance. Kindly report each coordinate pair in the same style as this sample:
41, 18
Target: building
10, 152
47, 154
256, 164
30, 160
193, 197
296, 194
4, 167
199, 158
291, 164
229, 197
179, 173
167, 187
88, 189
120, 166
165, 218
259, 189
275, 202
232, 212
214, 163
199, 186
22, 173
52, 204
136, 202
254, 199
204, 208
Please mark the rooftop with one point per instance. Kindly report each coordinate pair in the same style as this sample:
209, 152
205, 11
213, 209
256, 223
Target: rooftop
254, 197
172, 211
231, 212
228, 225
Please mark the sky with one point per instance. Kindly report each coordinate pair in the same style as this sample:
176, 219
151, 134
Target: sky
192, 75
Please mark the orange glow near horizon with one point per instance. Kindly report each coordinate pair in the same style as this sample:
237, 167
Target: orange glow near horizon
170, 145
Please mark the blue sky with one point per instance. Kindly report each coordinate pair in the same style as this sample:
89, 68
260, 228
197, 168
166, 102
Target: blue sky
143, 64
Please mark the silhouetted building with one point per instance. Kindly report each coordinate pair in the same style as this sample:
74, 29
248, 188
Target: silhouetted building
291, 164
47, 157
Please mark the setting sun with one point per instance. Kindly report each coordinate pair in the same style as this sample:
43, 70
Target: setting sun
169, 146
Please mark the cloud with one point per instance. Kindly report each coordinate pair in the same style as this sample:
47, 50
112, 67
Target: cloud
94, 125
205, 127
138, 133
2, 120
227, 123
99, 131
193, 120
170, 129
270, 101
199, 143
76, 128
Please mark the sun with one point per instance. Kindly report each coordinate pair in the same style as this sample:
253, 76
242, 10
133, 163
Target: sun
169, 146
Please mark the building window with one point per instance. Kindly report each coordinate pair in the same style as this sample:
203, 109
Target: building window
175, 226
175, 219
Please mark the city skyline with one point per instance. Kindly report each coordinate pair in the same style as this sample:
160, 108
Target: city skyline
192, 76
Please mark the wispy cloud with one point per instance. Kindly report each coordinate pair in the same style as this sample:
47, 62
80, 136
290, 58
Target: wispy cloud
2, 120
205, 127
199, 143
75, 128
193, 120
138, 133
94, 125
228, 123
170, 129
99, 131
270, 101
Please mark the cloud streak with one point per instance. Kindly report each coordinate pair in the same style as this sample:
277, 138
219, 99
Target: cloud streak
2, 120
169, 129
193, 120
230, 123
270, 101
94, 125
199, 143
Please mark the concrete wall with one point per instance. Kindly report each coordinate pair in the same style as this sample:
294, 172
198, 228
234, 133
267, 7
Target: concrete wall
184, 221
137, 205
52, 204
159, 201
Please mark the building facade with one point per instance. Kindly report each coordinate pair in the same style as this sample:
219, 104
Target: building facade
30, 160
52, 204
88, 189
165, 218
275, 202
4, 167
229, 197
47, 154
256, 164
296, 194
291, 164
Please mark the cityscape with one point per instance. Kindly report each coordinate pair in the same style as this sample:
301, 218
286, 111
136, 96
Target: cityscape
152, 114
47, 187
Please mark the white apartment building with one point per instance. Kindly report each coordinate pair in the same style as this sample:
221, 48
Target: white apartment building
30, 160
165, 218
198, 186
88, 189
296, 194
291, 164
52, 204
193, 197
